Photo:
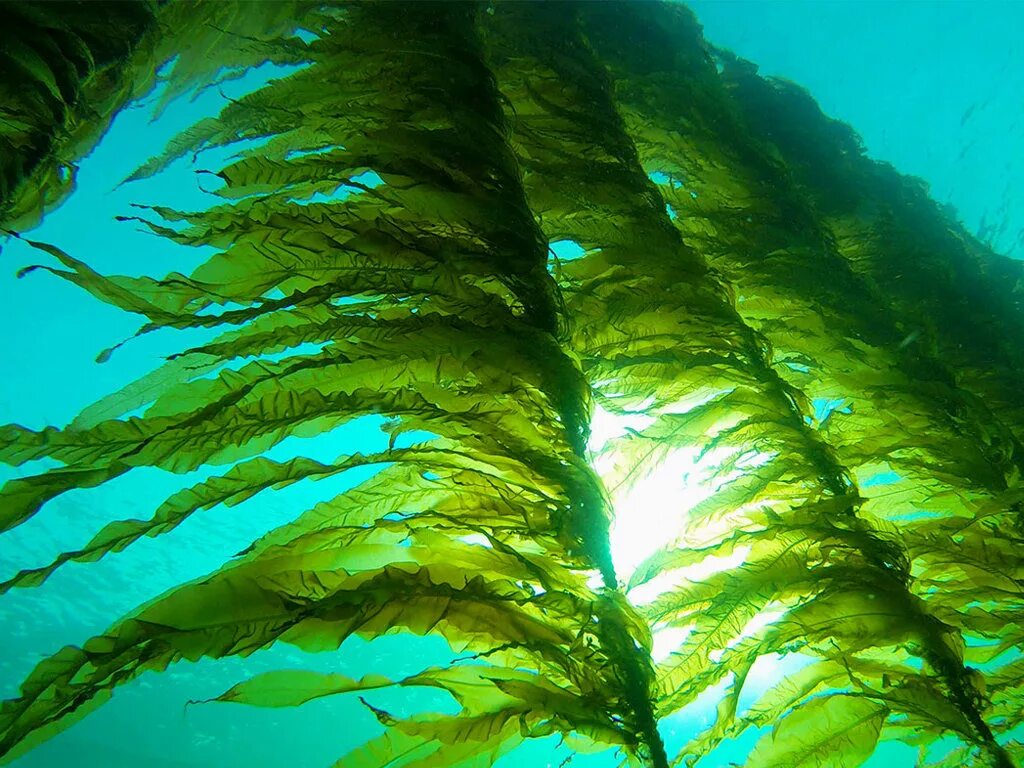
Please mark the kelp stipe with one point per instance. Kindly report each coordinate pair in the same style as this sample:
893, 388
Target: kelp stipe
714, 300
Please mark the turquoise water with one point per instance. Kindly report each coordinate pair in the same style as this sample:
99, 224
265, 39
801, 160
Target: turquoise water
933, 88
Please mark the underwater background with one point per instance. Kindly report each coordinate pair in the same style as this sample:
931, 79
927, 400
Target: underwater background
932, 87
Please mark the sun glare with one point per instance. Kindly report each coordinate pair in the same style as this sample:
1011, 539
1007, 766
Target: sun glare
651, 512
653, 509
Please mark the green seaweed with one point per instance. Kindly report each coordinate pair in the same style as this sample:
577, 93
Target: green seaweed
736, 271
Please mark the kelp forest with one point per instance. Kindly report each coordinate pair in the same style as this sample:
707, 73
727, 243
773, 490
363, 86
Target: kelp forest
583, 215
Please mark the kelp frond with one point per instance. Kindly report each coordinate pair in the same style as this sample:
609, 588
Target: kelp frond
860, 498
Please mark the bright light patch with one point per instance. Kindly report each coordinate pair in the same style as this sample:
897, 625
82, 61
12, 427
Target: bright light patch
665, 179
881, 478
650, 513
606, 426
653, 501
944, 746
825, 406
339, 194
699, 714
297, 153
764, 619
306, 36
767, 672
477, 539
918, 514
649, 591
751, 628
566, 250
595, 581
694, 398
666, 640
369, 179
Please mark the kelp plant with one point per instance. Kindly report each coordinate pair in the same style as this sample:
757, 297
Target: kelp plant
753, 302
